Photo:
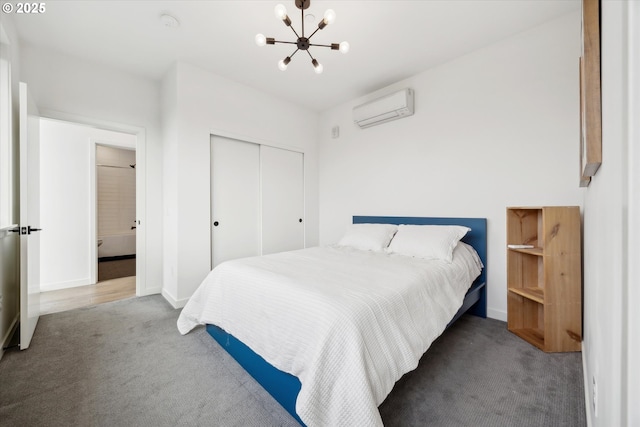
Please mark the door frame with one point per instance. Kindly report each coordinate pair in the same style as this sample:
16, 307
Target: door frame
141, 197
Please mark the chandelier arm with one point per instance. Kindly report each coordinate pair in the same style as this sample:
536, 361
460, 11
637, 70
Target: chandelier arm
294, 52
310, 56
317, 29
302, 19
294, 31
321, 45
279, 41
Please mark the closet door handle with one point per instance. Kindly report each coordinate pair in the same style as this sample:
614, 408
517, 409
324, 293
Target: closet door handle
215, 223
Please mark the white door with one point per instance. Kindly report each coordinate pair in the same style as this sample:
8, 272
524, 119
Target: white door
235, 199
29, 217
282, 199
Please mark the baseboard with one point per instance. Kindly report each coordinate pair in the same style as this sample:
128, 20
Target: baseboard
7, 338
175, 303
585, 375
46, 287
497, 314
150, 291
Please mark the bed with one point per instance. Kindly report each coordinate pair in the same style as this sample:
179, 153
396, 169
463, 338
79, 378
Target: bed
336, 393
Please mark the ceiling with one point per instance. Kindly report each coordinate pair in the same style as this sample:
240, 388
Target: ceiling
390, 40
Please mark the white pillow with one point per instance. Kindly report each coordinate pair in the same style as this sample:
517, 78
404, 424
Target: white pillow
427, 241
368, 237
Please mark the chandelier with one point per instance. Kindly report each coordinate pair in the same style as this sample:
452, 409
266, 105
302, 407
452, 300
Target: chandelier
302, 42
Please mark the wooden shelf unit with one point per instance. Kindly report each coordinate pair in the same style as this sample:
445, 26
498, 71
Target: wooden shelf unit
544, 297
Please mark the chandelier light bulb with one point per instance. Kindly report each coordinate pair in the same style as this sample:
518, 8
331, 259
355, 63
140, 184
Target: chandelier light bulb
280, 11
283, 63
261, 40
344, 47
329, 16
317, 66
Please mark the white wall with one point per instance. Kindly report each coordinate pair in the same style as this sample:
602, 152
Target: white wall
611, 231
197, 104
9, 250
632, 385
77, 90
66, 200
496, 128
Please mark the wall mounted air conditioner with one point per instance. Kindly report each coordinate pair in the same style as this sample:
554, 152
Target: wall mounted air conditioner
384, 109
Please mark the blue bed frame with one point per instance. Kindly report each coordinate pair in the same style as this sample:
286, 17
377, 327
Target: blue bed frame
285, 387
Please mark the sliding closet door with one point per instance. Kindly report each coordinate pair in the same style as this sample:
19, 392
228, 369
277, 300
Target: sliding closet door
282, 199
235, 199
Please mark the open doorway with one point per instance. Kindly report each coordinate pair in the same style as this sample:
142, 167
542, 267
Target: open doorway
70, 215
116, 208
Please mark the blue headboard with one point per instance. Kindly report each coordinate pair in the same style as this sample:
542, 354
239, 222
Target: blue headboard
477, 237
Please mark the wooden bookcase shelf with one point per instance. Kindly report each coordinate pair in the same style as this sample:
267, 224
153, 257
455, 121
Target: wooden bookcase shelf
530, 251
544, 283
536, 294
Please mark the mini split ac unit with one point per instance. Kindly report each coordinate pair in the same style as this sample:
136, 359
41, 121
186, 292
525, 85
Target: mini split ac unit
384, 109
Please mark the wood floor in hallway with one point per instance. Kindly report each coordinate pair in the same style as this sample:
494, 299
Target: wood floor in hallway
84, 296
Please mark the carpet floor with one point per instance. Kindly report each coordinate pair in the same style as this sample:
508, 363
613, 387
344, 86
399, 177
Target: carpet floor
125, 364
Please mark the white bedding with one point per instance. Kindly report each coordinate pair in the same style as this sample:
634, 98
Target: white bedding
347, 323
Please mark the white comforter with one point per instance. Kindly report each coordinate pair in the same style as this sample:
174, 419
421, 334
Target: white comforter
347, 323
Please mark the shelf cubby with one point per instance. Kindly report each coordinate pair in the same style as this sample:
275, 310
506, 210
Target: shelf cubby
544, 282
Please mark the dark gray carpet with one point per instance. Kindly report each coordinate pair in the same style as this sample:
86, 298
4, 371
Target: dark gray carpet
479, 374
125, 364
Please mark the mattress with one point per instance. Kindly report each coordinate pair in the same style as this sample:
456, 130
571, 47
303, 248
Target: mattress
347, 323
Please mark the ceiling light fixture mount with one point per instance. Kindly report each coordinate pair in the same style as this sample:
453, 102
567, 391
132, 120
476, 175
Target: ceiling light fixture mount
169, 21
302, 42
